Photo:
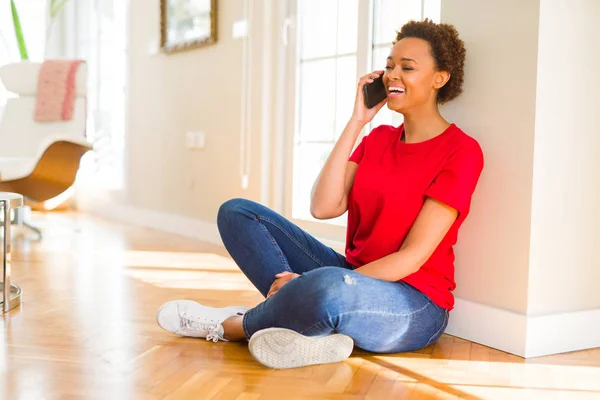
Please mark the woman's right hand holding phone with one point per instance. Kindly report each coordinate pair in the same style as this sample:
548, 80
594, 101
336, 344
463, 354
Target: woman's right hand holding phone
329, 198
361, 113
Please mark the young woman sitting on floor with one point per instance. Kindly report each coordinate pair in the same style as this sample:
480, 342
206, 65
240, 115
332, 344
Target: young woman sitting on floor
407, 191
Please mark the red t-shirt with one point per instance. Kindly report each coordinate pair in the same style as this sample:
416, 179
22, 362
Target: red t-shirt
391, 184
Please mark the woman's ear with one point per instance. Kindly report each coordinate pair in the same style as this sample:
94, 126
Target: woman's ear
441, 78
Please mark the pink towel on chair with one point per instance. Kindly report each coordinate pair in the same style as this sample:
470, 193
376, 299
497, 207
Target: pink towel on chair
56, 90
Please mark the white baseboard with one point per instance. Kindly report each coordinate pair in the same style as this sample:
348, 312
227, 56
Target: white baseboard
494, 327
522, 335
561, 333
490, 326
189, 227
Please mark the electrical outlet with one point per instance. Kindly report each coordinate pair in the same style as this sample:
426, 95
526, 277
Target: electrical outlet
189, 140
199, 140
240, 29
194, 140
153, 48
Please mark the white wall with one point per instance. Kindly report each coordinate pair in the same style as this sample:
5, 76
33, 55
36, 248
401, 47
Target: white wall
527, 269
564, 269
197, 90
498, 109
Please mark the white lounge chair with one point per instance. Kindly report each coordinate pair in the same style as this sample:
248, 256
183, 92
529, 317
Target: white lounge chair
39, 160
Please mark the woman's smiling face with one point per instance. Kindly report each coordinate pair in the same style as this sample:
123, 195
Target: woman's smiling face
411, 76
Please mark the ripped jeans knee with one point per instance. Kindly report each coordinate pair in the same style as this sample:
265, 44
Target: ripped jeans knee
331, 290
380, 316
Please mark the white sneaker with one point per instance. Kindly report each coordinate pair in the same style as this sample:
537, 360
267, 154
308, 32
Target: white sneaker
189, 318
283, 348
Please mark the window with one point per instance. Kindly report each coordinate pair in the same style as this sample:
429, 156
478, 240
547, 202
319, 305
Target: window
32, 14
327, 73
337, 42
98, 35
96, 31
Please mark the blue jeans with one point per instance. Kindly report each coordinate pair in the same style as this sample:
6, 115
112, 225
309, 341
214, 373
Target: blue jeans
329, 296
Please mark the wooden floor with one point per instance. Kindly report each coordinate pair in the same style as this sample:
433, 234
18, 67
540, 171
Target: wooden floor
86, 330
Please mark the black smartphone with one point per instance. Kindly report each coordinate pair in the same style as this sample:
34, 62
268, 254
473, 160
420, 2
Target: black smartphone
374, 92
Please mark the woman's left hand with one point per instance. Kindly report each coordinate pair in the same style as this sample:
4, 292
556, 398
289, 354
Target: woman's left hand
281, 279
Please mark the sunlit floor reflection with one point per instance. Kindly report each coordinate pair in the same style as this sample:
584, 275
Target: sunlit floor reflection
185, 270
487, 379
169, 259
190, 279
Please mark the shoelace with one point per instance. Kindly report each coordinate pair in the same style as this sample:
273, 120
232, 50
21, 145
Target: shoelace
211, 328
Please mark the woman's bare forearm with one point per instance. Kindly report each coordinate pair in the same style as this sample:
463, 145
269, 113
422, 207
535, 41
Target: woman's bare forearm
329, 193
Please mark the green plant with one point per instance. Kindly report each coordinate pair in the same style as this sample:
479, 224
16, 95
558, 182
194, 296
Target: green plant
18, 31
56, 6
54, 9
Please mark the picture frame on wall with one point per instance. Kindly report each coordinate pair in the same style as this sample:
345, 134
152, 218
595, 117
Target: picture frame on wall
187, 24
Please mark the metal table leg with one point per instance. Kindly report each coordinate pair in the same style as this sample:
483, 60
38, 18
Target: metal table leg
11, 294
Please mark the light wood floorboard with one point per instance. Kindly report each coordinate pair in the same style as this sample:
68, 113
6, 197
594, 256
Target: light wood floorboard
86, 330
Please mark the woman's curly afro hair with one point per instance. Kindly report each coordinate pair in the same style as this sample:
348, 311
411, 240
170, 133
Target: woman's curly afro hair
447, 49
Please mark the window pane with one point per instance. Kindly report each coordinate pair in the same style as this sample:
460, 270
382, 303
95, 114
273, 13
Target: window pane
346, 92
318, 28
390, 15
309, 158
32, 14
347, 26
317, 100
327, 87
